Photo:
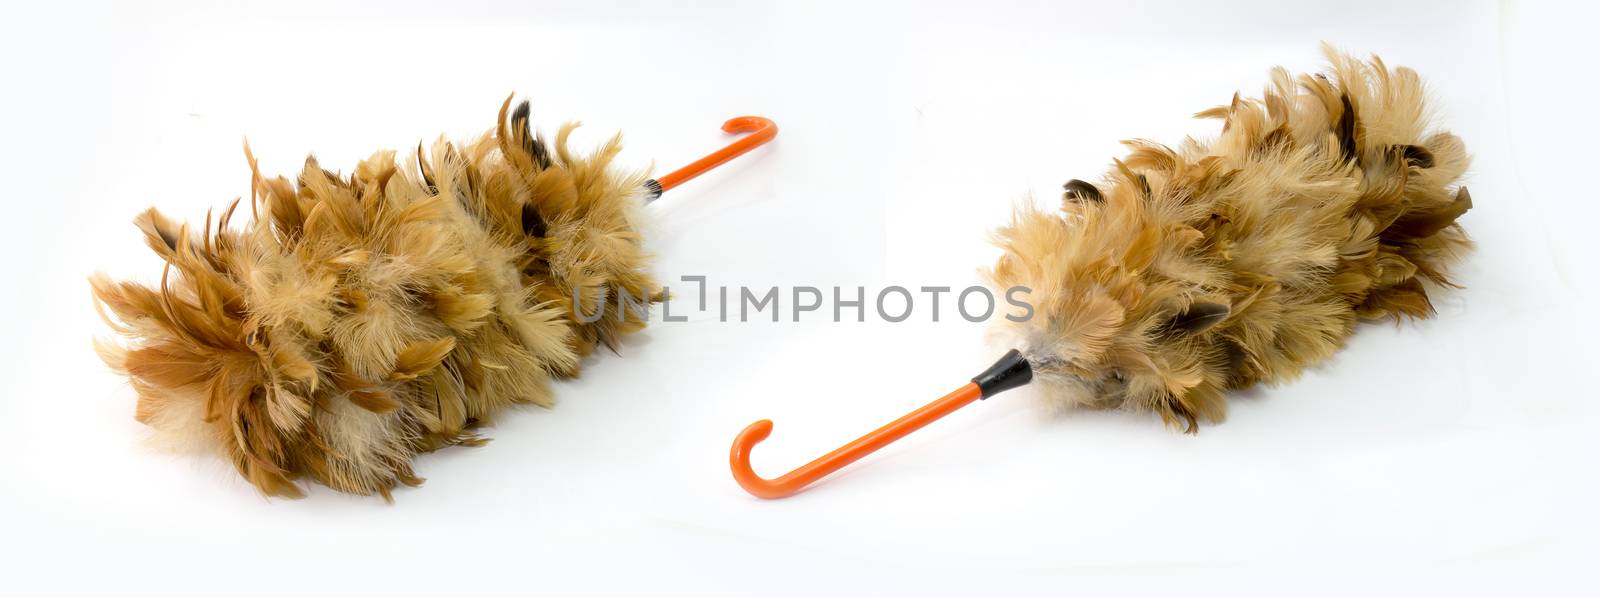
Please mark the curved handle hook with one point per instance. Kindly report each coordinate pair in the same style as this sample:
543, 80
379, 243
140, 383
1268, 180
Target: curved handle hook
761, 131
1009, 372
794, 481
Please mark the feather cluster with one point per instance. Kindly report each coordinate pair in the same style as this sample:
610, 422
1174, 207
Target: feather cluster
356, 321
1187, 272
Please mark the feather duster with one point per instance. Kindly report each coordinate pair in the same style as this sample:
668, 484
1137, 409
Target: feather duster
357, 320
1187, 272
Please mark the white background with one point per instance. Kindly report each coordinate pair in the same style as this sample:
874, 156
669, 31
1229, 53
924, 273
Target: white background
1456, 454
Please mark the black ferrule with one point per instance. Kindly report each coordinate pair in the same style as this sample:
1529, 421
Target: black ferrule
1010, 372
652, 190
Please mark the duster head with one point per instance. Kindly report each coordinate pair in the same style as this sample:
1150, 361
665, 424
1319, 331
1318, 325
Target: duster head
357, 320
1189, 271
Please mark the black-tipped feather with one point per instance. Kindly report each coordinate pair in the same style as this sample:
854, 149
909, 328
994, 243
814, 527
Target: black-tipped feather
531, 143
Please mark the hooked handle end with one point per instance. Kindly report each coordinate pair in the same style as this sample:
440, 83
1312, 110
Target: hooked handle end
739, 462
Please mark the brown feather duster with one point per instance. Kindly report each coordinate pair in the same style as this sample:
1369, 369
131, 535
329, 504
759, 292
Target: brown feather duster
355, 321
1218, 265
1191, 271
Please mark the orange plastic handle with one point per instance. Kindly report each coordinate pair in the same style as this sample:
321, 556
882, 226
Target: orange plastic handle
794, 481
761, 130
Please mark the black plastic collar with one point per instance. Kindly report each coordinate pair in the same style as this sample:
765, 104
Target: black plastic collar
1010, 372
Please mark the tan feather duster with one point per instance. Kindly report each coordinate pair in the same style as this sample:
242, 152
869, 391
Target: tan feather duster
1193, 270
357, 320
